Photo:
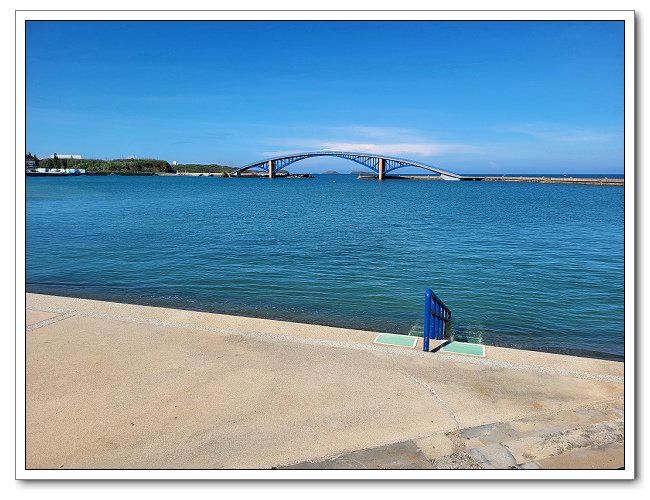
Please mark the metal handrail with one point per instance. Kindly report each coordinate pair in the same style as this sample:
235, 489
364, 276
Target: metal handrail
436, 317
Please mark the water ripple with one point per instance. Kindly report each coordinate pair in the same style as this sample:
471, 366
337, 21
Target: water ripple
524, 265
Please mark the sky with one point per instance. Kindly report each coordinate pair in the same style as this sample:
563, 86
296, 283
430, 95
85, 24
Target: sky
471, 97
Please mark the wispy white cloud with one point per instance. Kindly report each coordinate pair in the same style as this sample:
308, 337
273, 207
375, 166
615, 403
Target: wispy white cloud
415, 149
549, 147
393, 141
391, 149
559, 133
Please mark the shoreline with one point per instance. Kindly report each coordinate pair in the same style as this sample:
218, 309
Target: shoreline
232, 323
581, 353
113, 385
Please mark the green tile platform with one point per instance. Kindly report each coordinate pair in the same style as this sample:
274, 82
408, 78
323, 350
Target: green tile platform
464, 348
394, 339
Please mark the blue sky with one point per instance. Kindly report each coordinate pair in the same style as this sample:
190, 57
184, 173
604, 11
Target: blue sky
471, 97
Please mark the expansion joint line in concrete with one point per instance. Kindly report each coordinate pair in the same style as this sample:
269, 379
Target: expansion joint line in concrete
49, 321
429, 389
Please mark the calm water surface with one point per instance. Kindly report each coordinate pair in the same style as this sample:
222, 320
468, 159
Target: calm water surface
522, 265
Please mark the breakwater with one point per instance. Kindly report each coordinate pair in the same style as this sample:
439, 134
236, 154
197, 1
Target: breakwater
592, 181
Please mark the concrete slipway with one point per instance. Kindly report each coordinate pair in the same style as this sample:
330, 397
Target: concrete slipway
117, 386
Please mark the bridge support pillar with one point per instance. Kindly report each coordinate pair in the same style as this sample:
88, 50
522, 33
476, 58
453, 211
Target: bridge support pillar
271, 174
381, 168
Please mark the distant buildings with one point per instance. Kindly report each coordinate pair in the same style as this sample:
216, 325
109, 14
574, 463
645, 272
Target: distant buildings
53, 168
66, 157
54, 171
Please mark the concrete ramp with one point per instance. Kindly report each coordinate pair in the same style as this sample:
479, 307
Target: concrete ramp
119, 386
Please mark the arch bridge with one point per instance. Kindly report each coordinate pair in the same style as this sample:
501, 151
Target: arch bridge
380, 164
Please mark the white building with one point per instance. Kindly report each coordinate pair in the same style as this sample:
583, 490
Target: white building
69, 171
66, 157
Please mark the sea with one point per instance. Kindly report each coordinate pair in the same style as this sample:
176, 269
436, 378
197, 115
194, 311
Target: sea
520, 265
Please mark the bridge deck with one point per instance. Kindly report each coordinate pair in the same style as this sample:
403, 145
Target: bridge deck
377, 163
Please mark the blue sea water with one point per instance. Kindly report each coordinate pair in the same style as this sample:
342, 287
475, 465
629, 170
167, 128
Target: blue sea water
535, 266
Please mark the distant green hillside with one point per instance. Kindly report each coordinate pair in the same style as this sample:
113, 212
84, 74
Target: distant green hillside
127, 166
194, 167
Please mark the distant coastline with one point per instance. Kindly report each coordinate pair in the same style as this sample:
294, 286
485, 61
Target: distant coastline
68, 166
583, 179
127, 166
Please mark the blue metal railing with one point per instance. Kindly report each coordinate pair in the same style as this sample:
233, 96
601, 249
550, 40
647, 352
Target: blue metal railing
436, 317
